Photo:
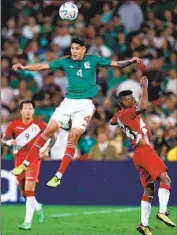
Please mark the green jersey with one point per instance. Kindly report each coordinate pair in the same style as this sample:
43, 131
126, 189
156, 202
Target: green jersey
81, 75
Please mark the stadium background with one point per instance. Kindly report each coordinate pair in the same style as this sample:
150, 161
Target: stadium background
32, 32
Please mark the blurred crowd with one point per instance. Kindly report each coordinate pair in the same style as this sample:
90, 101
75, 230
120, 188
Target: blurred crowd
32, 32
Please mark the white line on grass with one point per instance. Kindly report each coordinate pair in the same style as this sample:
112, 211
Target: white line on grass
96, 212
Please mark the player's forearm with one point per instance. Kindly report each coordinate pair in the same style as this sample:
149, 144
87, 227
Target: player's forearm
144, 99
124, 63
7, 141
36, 67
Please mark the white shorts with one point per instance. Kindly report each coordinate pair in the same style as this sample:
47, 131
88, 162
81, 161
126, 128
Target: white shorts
79, 112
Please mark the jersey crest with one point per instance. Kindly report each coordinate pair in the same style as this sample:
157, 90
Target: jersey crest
87, 65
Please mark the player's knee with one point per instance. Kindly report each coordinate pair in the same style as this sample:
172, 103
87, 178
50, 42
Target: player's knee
74, 136
165, 179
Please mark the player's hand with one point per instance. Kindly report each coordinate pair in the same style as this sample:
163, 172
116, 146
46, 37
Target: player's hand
136, 60
18, 66
13, 143
144, 82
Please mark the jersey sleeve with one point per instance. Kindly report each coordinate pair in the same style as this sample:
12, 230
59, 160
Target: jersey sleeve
102, 62
9, 131
56, 65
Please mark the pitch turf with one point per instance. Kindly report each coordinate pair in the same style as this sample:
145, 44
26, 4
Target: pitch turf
83, 220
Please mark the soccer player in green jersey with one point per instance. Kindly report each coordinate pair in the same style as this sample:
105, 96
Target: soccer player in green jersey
77, 106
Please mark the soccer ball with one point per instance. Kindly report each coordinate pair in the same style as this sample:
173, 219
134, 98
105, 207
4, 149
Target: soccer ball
68, 11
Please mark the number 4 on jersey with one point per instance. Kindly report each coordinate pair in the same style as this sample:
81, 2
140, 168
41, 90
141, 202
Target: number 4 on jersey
79, 73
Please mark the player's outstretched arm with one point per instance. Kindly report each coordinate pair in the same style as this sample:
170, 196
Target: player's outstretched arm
34, 67
143, 104
8, 141
125, 63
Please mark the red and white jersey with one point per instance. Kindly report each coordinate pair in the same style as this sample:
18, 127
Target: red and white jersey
132, 125
25, 135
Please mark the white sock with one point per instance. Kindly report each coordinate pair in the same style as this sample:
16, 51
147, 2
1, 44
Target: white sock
37, 206
145, 212
29, 209
163, 195
59, 175
26, 163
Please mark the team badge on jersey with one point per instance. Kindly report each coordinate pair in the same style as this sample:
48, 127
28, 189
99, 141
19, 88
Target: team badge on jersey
87, 65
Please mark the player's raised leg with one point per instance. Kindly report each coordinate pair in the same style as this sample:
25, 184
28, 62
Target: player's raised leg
73, 138
83, 112
164, 194
146, 210
33, 155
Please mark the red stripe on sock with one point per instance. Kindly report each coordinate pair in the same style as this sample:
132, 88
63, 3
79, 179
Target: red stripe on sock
70, 150
44, 136
34, 151
29, 193
146, 198
165, 186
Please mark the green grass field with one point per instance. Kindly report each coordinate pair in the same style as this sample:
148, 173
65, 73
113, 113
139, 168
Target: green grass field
83, 220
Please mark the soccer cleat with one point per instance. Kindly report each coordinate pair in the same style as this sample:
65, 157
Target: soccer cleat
25, 226
54, 182
145, 230
40, 216
19, 169
165, 219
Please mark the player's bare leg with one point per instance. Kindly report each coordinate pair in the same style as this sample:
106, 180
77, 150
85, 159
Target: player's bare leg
31, 206
51, 128
164, 194
146, 210
73, 138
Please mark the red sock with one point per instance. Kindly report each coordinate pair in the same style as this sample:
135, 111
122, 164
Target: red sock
165, 186
29, 193
146, 198
68, 155
34, 151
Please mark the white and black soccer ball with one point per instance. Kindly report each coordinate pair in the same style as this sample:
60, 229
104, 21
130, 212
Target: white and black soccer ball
68, 11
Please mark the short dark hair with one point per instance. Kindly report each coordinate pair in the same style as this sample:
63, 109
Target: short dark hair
79, 40
122, 94
27, 102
